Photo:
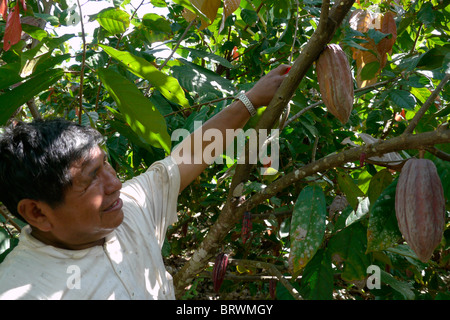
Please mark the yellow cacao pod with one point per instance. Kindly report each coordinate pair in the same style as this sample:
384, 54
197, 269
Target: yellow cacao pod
335, 82
420, 207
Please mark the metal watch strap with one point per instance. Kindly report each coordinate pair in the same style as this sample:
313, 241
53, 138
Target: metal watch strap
247, 103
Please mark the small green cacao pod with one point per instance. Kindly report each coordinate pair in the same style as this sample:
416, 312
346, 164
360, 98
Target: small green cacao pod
420, 207
335, 82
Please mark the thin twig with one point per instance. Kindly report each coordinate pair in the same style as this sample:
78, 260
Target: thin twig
83, 63
318, 103
97, 98
271, 268
419, 114
200, 105
173, 51
295, 33
417, 38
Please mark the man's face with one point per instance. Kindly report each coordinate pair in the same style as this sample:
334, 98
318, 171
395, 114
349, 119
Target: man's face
92, 207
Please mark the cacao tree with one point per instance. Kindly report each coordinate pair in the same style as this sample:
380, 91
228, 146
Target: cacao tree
323, 223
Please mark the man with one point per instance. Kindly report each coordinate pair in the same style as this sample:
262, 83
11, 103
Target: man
88, 236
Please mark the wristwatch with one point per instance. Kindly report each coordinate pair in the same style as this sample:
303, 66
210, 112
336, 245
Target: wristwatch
247, 103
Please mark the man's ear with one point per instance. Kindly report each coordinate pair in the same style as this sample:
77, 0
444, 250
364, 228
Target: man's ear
34, 212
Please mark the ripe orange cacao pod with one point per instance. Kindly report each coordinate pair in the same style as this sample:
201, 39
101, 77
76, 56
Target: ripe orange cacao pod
335, 82
219, 270
420, 206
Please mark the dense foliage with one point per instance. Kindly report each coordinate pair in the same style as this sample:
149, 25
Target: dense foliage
123, 82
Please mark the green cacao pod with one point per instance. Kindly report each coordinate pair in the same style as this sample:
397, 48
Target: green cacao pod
335, 82
420, 207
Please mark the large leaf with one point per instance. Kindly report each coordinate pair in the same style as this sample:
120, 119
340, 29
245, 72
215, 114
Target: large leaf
167, 85
307, 226
138, 111
11, 100
9, 74
378, 183
156, 23
349, 246
210, 57
114, 20
404, 288
317, 279
203, 81
403, 99
383, 231
349, 188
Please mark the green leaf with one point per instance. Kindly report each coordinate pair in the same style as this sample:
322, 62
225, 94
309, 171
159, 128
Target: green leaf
317, 279
421, 94
403, 99
377, 36
54, 21
404, 288
307, 226
11, 100
383, 231
156, 23
426, 14
443, 169
370, 70
9, 74
35, 32
378, 183
210, 57
349, 188
203, 81
350, 245
167, 85
433, 58
138, 111
249, 16
114, 20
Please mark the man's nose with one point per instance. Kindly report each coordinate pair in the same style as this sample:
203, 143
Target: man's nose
111, 182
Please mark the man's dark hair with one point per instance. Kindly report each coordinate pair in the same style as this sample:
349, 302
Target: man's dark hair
35, 159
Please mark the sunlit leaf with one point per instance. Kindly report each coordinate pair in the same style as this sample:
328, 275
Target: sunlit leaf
11, 100
114, 20
137, 110
167, 85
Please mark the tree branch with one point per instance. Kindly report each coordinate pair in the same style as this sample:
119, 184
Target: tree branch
228, 217
418, 141
419, 114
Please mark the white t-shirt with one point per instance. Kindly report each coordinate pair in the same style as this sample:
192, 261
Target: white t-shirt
128, 266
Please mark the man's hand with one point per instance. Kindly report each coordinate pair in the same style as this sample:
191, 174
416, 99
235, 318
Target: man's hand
233, 117
264, 90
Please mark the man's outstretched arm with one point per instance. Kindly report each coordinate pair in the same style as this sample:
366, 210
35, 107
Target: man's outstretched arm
189, 154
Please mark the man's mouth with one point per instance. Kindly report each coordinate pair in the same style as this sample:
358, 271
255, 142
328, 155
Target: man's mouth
116, 205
